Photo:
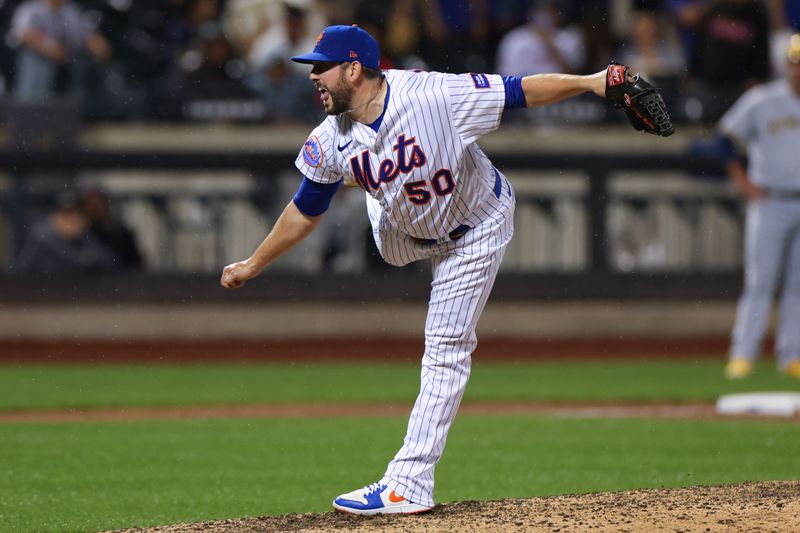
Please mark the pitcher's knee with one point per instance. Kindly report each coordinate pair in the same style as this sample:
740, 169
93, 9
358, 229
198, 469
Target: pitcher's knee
449, 351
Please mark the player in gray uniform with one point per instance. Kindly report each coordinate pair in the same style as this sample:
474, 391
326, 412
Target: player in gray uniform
767, 120
408, 139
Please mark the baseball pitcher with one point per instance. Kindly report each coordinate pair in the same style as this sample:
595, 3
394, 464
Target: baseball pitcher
408, 139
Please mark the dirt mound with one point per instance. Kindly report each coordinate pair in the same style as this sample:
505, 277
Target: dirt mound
755, 507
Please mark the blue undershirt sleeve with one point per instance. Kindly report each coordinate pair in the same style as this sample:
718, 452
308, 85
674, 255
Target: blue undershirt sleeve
313, 199
727, 148
515, 97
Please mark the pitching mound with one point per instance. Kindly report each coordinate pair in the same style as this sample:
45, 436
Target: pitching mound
767, 507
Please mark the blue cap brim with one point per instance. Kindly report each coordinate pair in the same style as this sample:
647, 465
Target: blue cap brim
310, 58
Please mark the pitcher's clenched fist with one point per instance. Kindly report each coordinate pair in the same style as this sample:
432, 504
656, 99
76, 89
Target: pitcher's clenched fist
236, 274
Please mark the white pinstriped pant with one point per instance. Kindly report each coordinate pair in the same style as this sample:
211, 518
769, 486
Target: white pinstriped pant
463, 274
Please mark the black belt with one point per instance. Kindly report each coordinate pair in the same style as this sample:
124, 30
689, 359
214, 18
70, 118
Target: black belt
453, 235
463, 228
783, 194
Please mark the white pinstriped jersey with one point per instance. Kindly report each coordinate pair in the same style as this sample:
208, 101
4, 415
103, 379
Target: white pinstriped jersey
422, 164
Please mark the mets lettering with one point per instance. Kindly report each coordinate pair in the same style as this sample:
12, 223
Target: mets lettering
388, 170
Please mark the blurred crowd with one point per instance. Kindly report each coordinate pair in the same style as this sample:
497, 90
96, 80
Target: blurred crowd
145, 59
80, 234
163, 60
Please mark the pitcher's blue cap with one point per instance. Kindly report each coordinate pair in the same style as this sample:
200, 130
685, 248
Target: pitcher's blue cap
344, 43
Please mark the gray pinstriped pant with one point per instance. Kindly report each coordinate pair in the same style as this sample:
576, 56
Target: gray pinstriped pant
772, 262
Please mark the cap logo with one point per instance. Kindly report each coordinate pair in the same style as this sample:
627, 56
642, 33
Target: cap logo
319, 37
353, 55
312, 152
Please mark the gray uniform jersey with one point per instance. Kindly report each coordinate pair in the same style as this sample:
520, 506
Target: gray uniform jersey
767, 119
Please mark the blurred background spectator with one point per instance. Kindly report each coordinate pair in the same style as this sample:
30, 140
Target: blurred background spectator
397, 43
283, 84
652, 49
593, 17
188, 27
204, 65
541, 45
730, 52
456, 35
732, 44
399, 33
52, 39
290, 35
686, 15
61, 244
110, 231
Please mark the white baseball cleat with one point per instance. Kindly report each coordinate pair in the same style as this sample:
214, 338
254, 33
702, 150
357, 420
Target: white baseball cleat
376, 499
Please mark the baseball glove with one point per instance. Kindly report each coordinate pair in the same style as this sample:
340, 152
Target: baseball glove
642, 103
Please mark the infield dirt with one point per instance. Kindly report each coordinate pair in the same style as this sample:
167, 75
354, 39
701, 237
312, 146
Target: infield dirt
754, 507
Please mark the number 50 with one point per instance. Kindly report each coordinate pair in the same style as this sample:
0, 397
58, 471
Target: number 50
442, 184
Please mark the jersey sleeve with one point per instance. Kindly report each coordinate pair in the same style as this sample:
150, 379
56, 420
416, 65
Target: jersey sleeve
740, 120
316, 160
477, 102
21, 20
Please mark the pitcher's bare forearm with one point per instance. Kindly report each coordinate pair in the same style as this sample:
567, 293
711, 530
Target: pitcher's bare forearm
543, 89
292, 227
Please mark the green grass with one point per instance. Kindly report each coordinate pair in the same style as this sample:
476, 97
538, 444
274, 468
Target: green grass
84, 386
82, 477
90, 476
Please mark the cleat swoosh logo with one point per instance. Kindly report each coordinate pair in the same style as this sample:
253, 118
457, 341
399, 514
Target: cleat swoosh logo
395, 498
342, 147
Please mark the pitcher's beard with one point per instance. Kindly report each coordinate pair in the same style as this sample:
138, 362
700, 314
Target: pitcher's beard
341, 97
